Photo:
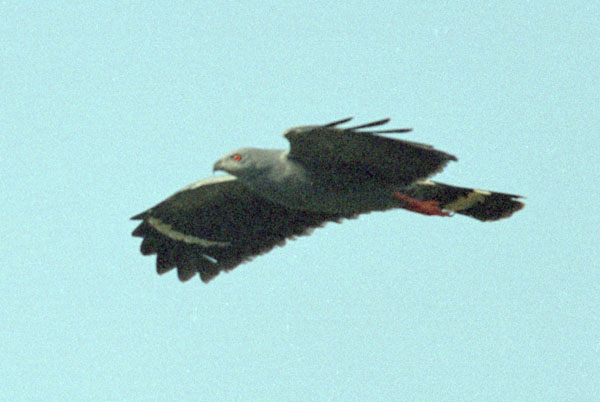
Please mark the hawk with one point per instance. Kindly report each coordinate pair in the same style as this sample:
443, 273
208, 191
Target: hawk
330, 173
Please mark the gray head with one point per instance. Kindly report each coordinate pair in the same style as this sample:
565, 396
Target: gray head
247, 162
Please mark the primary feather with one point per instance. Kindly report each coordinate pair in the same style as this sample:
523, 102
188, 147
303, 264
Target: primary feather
356, 156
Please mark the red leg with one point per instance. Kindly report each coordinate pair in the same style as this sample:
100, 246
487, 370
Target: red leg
429, 207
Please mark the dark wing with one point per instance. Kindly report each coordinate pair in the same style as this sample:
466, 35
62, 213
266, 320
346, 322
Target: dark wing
356, 155
479, 204
217, 224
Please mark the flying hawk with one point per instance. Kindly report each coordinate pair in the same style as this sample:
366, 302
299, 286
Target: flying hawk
269, 195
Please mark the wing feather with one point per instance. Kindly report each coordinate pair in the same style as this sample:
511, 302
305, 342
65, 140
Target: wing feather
350, 155
215, 225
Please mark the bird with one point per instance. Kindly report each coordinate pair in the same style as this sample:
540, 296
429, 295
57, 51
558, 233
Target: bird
330, 173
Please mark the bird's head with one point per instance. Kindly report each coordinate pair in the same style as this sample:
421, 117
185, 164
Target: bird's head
242, 162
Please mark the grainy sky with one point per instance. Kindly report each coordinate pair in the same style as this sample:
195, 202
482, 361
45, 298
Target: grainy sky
109, 107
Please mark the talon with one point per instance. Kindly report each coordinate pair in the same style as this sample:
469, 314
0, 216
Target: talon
428, 207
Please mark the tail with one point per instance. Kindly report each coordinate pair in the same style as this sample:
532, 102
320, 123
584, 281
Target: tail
478, 204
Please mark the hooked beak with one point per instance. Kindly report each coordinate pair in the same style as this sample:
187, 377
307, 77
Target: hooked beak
217, 166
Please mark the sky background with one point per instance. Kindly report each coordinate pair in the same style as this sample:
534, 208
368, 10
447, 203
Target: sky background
107, 108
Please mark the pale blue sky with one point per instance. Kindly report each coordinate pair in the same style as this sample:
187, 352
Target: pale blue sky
107, 108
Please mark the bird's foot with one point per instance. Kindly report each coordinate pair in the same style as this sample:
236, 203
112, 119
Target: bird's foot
428, 207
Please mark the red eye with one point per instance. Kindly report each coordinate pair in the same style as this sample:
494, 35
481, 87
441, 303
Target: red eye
236, 157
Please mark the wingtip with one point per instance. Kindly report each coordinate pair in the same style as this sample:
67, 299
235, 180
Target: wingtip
139, 216
371, 124
378, 123
394, 131
338, 122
